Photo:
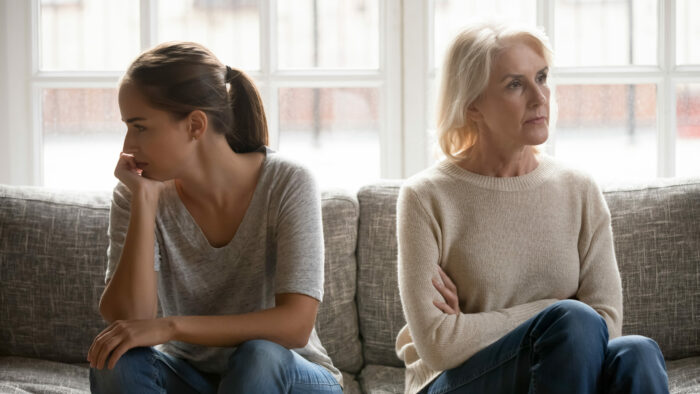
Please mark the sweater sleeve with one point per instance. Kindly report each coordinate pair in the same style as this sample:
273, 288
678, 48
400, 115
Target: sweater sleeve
441, 340
599, 280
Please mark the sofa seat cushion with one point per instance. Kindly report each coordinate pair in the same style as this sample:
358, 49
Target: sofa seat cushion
380, 379
27, 375
684, 375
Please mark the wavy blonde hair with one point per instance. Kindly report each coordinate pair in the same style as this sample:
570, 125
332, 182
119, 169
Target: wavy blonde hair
465, 75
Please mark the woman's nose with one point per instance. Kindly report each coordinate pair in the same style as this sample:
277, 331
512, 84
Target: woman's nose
129, 143
539, 95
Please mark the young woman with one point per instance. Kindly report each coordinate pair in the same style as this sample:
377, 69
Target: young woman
507, 271
224, 233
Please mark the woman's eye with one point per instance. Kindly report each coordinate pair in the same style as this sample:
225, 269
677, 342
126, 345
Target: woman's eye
542, 78
139, 128
514, 84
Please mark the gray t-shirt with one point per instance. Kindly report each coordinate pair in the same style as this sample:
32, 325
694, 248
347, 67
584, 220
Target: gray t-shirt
278, 248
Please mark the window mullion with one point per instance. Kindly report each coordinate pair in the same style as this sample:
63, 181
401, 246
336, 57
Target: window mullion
148, 18
666, 97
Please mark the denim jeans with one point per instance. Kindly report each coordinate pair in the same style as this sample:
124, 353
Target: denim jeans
563, 349
256, 366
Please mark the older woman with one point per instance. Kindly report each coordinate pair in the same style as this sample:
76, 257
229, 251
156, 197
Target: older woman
507, 271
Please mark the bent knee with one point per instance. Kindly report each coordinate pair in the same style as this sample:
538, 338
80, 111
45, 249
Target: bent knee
259, 352
577, 320
635, 348
133, 363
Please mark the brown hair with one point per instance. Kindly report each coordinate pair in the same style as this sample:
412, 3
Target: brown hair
180, 77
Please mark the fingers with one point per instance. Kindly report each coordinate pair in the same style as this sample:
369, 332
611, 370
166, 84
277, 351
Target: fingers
444, 307
446, 280
104, 344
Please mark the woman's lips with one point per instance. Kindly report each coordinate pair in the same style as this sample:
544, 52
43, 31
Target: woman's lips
537, 120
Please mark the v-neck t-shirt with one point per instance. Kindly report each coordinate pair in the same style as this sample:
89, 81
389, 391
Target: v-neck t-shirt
277, 248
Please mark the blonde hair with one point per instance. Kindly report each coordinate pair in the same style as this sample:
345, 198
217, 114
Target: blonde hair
465, 76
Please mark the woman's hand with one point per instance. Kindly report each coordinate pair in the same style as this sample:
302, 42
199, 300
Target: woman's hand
130, 174
448, 290
123, 335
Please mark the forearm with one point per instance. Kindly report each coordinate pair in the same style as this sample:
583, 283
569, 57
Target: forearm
445, 341
279, 325
131, 293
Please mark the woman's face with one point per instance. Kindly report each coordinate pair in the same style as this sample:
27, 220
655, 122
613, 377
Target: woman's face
160, 144
513, 111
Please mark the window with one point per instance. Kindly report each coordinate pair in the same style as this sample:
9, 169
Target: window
626, 87
325, 69
350, 85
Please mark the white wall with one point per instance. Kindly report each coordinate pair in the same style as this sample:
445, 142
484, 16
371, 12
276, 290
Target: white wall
4, 141
16, 133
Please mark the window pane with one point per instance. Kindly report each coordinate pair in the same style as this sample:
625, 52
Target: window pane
688, 130
605, 33
333, 131
88, 34
328, 34
687, 31
607, 130
83, 136
229, 28
452, 15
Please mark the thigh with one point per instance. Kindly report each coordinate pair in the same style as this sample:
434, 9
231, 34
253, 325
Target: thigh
308, 377
147, 370
502, 367
180, 377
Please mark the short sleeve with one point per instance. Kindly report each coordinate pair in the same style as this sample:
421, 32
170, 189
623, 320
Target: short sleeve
299, 237
118, 224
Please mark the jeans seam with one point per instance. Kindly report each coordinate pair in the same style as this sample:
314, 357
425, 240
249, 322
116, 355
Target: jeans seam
482, 372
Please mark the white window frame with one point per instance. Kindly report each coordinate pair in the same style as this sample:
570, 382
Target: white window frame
21, 151
405, 69
418, 66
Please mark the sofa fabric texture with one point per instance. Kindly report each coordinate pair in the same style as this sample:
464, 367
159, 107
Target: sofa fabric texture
53, 254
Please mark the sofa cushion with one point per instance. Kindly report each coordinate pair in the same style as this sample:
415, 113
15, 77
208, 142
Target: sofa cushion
336, 322
684, 375
52, 254
380, 379
656, 230
26, 375
378, 301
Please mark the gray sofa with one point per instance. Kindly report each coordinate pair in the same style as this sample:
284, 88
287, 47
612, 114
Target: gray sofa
52, 260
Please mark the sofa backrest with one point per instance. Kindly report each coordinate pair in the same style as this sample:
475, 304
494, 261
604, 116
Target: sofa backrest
53, 250
656, 229
52, 261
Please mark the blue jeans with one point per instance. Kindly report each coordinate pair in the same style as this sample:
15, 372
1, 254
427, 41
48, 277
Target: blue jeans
256, 366
563, 349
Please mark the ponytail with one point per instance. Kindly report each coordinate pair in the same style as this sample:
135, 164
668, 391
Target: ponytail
248, 131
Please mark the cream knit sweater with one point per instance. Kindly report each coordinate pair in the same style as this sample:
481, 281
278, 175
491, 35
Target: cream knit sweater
512, 246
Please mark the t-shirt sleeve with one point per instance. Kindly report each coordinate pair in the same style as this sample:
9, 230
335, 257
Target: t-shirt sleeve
118, 224
299, 237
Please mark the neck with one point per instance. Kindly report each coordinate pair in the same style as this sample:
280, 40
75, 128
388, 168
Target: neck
218, 176
483, 160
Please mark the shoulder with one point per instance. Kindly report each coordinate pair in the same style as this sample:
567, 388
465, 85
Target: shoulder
428, 182
281, 170
575, 179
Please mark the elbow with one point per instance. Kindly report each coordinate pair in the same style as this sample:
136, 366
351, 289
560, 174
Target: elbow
111, 312
298, 337
435, 360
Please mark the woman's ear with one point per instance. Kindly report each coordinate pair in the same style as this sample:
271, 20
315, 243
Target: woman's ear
197, 122
473, 113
